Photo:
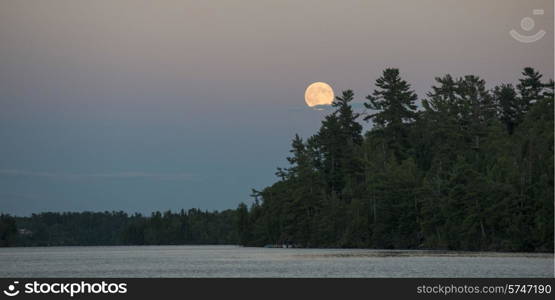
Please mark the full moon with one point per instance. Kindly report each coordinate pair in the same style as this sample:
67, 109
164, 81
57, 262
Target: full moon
318, 93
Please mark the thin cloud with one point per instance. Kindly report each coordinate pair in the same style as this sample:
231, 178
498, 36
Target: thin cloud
357, 106
112, 175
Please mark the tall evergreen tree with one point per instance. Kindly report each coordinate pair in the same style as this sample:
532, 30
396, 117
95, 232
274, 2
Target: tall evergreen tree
394, 103
506, 100
530, 88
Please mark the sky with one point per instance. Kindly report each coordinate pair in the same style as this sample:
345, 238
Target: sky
155, 105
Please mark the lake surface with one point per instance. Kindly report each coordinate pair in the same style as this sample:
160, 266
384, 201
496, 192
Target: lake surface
233, 261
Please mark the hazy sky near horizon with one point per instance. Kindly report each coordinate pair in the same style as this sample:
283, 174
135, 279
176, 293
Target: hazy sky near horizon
154, 105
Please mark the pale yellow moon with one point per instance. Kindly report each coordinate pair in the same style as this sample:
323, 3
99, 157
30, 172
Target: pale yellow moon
318, 93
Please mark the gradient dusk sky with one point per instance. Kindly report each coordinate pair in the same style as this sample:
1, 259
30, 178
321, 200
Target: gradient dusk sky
156, 105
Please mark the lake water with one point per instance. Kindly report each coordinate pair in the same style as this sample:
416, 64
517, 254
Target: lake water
232, 261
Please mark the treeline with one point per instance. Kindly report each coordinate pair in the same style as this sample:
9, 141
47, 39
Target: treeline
471, 170
118, 228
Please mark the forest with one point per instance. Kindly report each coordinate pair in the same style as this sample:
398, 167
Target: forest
471, 170
466, 167
118, 228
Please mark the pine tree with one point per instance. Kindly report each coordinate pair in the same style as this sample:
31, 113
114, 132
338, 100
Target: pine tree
530, 88
394, 102
477, 109
243, 224
350, 128
331, 149
506, 100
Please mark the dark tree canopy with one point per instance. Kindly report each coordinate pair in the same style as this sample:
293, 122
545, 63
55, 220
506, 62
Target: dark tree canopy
472, 170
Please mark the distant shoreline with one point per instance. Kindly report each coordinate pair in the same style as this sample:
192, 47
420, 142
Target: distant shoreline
363, 252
